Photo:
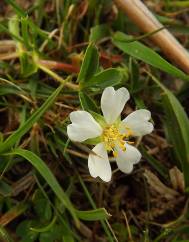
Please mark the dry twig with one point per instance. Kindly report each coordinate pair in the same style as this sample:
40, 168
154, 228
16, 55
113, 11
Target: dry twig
145, 20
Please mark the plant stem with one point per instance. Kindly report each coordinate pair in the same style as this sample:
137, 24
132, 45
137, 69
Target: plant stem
57, 77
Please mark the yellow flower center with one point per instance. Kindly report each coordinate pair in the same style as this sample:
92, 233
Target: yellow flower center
112, 137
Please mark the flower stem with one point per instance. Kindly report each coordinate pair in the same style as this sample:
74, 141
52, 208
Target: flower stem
57, 77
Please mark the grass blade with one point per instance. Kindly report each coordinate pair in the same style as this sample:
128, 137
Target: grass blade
4, 235
91, 215
146, 54
12, 139
96, 214
179, 136
46, 173
17, 8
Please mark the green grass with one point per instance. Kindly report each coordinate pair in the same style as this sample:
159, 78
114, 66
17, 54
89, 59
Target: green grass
56, 57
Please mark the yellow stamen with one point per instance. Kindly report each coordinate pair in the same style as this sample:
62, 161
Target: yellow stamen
112, 137
129, 132
115, 154
130, 142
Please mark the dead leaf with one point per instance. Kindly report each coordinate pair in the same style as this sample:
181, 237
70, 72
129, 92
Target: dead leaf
159, 187
177, 179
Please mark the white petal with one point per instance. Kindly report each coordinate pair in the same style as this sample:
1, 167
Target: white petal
99, 164
113, 102
126, 159
83, 126
138, 122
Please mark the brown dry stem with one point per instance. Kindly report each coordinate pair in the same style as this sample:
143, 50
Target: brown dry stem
146, 21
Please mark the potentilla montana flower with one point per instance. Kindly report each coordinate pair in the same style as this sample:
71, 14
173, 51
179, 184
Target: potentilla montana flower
113, 134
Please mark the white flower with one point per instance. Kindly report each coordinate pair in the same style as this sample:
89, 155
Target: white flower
113, 133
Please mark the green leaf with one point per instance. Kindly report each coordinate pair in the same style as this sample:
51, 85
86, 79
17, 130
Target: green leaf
99, 118
28, 67
5, 189
177, 124
89, 65
136, 84
109, 77
44, 228
25, 31
46, 173
42, 206
98, 32
96, 214
23, 230
12, 139
144, 53
54, 234
87, 102
4, 235
14, 26
6, 30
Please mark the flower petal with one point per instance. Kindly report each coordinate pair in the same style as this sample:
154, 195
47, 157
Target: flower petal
126, 159
83, 126
99, 164
113, 102
138, 122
